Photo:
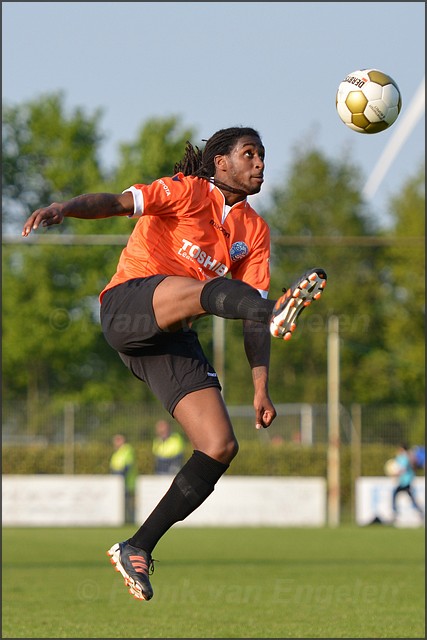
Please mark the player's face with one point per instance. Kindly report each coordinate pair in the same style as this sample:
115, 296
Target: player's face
243, 168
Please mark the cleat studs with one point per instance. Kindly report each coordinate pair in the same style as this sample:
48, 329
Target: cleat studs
288, 308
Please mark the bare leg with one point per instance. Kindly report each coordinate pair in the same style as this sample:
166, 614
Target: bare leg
204, 419
185, 294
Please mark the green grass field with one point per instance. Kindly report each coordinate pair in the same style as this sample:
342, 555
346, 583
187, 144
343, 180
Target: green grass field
347, 582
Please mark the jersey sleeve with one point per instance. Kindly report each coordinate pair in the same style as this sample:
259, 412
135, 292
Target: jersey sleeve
163, 196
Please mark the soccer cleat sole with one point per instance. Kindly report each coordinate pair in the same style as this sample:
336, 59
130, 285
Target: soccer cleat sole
134, 588
289, 306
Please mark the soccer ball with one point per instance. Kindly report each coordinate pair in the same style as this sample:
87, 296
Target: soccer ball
368, 101
391, 468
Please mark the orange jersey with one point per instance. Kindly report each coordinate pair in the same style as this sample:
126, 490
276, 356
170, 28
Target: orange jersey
186, 229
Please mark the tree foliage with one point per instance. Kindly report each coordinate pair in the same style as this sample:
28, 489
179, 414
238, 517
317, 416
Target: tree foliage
404, 267
53, 349
320, 205
159, 144
318, 218
47, 155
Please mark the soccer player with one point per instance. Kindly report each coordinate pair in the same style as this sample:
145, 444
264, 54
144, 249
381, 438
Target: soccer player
194, 229
405, 478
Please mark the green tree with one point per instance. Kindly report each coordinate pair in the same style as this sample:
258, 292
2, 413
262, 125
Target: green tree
159, 144
47, 155
53, 348
312, 217
404, 265
392, 369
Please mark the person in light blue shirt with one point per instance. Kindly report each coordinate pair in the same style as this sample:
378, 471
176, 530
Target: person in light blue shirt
405, 477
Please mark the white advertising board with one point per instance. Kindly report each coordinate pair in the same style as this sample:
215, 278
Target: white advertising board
246, 500
374, 500
62, 500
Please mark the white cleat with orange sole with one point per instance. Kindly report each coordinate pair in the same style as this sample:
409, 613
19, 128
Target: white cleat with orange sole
289, 306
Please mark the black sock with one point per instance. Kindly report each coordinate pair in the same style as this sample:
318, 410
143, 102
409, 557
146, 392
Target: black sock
235, 299
189, 489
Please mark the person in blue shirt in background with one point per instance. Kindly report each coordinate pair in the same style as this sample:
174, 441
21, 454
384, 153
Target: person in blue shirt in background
405, 477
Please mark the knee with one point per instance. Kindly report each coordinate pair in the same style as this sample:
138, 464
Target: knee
228, 451
233, 449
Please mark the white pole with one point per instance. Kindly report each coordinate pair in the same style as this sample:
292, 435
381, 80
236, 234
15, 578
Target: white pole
69, 438
219, 349
333, 471
306, 424
356, 452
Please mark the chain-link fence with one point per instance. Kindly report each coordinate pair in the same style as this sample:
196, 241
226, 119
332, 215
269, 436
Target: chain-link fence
298, 423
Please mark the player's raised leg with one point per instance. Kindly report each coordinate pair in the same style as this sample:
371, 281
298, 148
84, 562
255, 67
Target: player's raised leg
178, 301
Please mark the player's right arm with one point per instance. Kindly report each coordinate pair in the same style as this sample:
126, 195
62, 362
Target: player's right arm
88, 206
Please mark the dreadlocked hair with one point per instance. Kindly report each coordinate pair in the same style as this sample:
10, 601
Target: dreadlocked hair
202, 163
191, 162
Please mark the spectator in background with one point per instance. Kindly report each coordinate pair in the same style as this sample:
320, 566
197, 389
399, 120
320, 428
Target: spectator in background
123, 462
405, 476
168, 449
418, 456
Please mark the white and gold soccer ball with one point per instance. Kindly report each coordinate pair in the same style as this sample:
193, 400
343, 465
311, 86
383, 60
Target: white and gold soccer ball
368, 101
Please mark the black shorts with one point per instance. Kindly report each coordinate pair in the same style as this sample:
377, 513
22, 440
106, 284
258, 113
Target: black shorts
172, 364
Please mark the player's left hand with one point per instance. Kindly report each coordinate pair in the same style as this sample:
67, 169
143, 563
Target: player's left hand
264, 411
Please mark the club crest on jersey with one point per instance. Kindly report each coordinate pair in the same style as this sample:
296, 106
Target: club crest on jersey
238, 251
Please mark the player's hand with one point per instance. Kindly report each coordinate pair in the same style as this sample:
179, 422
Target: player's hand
264, 411
44, 217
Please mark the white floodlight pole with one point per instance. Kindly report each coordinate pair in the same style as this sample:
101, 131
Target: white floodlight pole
333, 470
219, 349
401, 133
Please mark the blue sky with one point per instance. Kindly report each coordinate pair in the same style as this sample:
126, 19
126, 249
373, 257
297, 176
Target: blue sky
274, 66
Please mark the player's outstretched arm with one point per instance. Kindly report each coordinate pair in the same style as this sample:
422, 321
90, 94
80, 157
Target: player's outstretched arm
88, 206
